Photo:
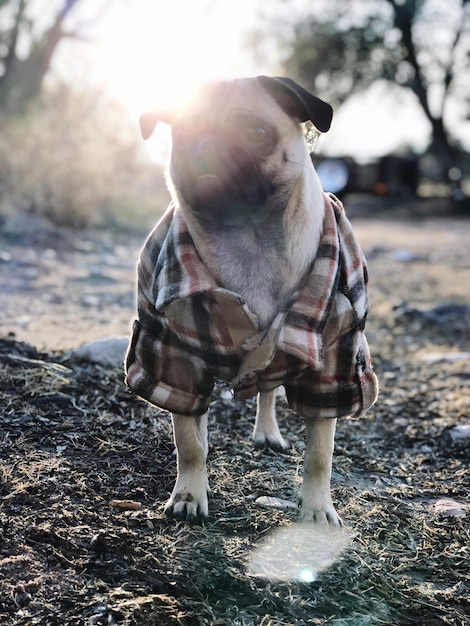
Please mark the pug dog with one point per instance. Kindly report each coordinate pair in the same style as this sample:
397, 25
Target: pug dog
252, 276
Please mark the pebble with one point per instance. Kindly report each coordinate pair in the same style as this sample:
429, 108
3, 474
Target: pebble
21, 597
90, 301
226, 394
450, 357
461, 431
270, 502
451, 508
21, 224
404, 256
107, 352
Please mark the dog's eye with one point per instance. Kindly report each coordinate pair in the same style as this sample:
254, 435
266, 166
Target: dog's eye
255, 134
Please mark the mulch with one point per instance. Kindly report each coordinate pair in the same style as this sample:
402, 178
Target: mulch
86, 468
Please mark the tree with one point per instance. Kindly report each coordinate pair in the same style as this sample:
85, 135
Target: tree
344, 46
22, 75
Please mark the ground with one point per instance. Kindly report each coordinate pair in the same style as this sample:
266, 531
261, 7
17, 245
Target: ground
86, 467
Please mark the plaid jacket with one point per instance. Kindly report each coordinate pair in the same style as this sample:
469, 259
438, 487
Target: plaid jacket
190, 331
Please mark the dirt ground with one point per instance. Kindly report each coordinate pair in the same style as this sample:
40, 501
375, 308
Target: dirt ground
85, 467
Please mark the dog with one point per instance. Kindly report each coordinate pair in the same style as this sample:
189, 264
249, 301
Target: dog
253, 276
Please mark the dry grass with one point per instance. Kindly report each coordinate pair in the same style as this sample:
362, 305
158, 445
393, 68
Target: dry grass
74, 439
77, 159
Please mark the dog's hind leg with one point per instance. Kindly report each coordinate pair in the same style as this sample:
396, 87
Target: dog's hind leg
266, 432
315, 494
189, 498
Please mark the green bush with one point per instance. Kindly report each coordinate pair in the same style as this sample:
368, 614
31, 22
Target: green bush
77, 159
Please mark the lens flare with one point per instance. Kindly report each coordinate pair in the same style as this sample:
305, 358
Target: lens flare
298, 553
307, 576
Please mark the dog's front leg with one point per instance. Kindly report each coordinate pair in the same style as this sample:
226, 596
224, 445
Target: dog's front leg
266, 432
315, 494
189, 499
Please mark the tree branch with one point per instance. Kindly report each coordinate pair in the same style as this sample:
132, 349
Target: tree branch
10, 58
450, 73
404, 14
96, 17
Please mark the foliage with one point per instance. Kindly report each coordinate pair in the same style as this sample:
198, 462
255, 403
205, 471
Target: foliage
341, 47
25, 55
67, 155
73, 160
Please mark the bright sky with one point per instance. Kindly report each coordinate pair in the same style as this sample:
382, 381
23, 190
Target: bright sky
147, 51
152, 50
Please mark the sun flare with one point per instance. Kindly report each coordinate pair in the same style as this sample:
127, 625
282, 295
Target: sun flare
158, 56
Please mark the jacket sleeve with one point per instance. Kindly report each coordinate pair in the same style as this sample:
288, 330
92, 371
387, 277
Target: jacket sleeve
159, 370
346, 385
158, 367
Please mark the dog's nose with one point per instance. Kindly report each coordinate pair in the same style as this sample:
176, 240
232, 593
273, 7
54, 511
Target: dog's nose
209, 151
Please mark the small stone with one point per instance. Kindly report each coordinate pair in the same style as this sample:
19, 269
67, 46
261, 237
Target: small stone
449, 357
98, 543
270, 502
404, 256
461, 431
21, 597
226, 394
21, 224
107, 352
451, 508
90, 301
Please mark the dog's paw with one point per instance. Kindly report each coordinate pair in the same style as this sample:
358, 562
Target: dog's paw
273, 441
187, 509
323, 515
189, 501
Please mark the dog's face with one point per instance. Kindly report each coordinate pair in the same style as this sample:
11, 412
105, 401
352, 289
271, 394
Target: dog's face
238, 148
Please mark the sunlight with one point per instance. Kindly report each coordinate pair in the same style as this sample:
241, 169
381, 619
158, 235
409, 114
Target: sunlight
153, 54
299, 552
157, 56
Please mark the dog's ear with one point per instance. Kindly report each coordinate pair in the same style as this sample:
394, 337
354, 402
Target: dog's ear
298, 102
149, 120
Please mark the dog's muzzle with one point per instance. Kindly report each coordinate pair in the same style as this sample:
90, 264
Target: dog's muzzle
219, 180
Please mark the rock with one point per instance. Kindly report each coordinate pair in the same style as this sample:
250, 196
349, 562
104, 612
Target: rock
450, 357
107, 352
90, 301
461, 431
404, 256
441, 314
269, 502
21, 597
28, 225
226, 394
451, 508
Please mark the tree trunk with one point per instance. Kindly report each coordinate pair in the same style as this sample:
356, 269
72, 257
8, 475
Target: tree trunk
404, 15
22, 79
441, 147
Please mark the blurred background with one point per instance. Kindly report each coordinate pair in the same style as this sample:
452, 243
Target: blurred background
79, 191
76, 74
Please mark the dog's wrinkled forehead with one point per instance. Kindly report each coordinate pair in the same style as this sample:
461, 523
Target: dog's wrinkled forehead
273, 98
216, 101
